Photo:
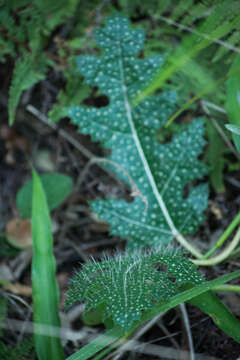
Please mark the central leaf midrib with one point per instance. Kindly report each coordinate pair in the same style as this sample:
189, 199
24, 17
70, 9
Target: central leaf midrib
137, 223
140, 150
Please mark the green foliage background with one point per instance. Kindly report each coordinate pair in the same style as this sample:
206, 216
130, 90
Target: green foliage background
200, 40
40, 36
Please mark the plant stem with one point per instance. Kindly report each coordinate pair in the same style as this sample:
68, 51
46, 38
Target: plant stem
223, 255
233, 288
152, 181
224, 236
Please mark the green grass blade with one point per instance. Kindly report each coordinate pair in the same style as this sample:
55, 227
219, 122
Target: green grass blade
116, 333
184, 53
98, 344
233, 102
44, 284
235, 129
210, 304
233, 93
215, 157
202, 93
190, 294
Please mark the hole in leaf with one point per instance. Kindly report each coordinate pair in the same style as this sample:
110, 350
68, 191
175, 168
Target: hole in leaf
149, 282
96, 100
101, 101
186, 191
172, 279
164, 136
161, 267
141, 55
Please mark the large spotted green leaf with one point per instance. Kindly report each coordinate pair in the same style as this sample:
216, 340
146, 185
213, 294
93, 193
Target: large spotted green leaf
165, 202
125, 286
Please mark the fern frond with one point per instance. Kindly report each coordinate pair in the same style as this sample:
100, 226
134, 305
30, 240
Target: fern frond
73, 94
181, 8
55, 12
127, 285
221, 13
159, 171
29, 35
27, 72
196, 12
233, 44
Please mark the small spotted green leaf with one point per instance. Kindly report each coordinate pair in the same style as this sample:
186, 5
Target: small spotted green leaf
127, 285
158, 173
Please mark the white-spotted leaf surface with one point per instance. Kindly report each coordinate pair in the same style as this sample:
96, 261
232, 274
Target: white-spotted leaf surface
159, 172
128, 285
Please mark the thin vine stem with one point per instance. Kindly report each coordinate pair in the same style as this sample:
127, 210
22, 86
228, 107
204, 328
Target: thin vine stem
226, 287
223, 255
223, 237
